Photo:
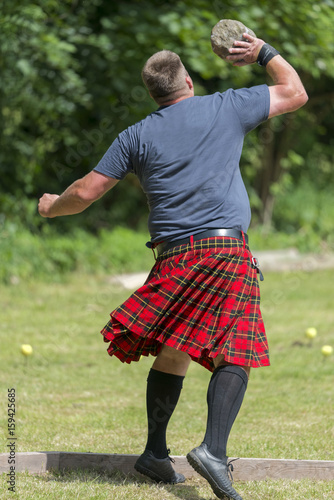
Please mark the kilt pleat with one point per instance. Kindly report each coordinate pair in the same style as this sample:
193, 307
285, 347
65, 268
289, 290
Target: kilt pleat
202, 299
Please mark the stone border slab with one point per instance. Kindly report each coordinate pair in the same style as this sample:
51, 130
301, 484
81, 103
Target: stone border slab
245, 469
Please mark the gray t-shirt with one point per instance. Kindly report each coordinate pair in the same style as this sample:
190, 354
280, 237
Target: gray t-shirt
186, 157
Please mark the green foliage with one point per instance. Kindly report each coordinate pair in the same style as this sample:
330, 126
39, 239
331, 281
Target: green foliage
41, 90
26, 256
308, 213
70, 82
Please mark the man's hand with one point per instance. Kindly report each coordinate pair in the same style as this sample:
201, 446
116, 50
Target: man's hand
288, 93
245, 52
45, 204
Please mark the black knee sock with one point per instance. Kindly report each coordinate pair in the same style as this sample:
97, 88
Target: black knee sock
163, 391
226, 391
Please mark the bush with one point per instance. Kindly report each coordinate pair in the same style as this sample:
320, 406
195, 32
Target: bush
306, 215
28, 256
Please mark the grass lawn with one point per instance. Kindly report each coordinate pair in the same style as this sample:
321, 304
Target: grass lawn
71, 396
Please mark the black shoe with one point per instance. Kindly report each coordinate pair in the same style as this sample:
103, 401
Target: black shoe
214, 470
158, 469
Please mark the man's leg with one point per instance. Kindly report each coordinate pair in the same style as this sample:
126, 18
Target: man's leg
224, 397
170, 360
164, 384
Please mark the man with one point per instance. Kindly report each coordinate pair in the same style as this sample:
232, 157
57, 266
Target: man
201, 299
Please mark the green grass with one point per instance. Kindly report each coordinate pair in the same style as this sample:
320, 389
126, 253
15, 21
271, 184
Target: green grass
71, 396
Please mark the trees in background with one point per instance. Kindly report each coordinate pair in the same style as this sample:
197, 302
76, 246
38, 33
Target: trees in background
70, 82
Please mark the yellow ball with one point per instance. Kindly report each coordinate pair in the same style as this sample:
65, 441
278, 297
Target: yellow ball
311, 333
327, 350
26, 349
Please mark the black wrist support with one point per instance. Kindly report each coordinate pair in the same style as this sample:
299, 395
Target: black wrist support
266, 53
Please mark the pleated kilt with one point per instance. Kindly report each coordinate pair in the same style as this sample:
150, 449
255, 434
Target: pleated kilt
202, 299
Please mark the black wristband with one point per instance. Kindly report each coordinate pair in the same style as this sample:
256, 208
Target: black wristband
266, 53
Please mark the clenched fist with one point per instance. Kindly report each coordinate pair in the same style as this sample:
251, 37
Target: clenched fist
45, 204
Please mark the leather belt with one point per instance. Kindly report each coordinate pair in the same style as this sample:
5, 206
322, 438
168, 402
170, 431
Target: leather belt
209, 233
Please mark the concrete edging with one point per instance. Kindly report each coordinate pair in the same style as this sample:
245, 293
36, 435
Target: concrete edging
245, 469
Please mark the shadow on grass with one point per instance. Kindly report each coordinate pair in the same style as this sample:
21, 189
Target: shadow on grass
182, 491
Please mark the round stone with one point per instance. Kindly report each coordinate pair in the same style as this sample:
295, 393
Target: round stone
224, 34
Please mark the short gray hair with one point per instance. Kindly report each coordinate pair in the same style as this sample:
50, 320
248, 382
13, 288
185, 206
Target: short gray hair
164, 76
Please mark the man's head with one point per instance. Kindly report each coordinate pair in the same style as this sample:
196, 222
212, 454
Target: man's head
166, 78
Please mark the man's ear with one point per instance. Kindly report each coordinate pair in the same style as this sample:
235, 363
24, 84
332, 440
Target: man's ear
189, 82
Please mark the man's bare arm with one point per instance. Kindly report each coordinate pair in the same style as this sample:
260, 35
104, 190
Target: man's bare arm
288, 93
77, 197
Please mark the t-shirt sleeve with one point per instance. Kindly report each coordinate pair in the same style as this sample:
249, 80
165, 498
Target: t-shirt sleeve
116, 162
252, 106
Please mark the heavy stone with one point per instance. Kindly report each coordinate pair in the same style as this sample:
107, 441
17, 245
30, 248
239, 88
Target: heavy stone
224, 34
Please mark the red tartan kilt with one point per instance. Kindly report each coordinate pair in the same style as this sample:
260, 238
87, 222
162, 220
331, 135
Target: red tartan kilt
203, 300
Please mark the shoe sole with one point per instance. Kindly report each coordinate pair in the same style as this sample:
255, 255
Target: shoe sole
149, 473
197, 465
152, 475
